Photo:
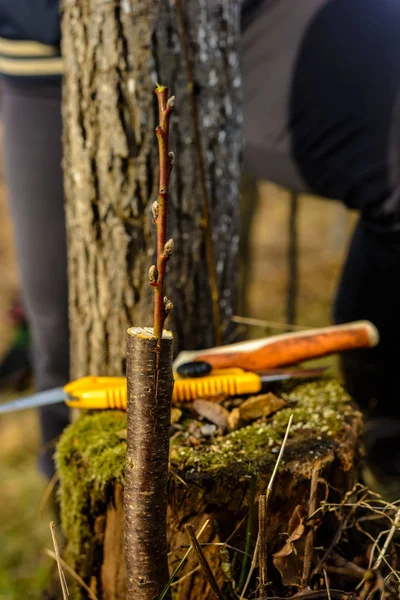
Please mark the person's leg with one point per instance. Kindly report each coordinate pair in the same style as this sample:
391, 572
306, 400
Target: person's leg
369, 289
31, 116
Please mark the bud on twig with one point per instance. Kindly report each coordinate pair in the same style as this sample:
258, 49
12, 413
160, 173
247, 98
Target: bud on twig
171, 102
168, 306
155, 209
171, 159
153, 275
168, 248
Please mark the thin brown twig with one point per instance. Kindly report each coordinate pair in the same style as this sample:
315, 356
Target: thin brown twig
188, 574
267, 495
385, 546
262, 532
327, 585
238, 526
204, 563
182, 562
63, 582
267, 324
376, 545
164, 248
48, 492
209, 247
73, 574
317, 595
309, 544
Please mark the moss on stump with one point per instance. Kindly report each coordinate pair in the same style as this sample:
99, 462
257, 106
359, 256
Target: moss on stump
207, 482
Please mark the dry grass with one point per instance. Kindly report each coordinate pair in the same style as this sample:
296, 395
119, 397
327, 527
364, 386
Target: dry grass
324, 228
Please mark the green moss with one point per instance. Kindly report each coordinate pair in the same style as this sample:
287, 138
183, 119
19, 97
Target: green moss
91, 453
319, 410
90, 458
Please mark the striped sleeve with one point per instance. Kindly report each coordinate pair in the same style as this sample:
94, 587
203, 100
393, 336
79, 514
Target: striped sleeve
29, 59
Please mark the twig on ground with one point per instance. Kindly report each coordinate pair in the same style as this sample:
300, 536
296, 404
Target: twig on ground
267, 495
189, 574
73, 574
267, 324
344, 522
327, 586
204, 562
181, 563
385, 547
317, 595
63, 582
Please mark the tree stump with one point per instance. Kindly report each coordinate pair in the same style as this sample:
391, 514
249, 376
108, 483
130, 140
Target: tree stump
211, 482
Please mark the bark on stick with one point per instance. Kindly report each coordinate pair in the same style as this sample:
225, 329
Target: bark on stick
146, 470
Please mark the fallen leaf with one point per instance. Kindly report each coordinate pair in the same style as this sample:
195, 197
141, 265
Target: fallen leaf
176, 414
123, 434
260, 406
234, 419
215, 413
289, 559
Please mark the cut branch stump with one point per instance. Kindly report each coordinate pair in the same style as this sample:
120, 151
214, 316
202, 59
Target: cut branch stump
213, 481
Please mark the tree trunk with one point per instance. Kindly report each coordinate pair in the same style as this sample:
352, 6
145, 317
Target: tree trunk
114, 54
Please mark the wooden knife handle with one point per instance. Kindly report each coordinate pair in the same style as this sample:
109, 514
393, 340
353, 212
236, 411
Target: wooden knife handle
286, 349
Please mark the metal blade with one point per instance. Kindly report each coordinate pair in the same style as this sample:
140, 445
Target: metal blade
282, 374
53, 396
275, 377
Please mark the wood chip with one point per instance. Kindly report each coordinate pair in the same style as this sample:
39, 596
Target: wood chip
215, 413
260, 406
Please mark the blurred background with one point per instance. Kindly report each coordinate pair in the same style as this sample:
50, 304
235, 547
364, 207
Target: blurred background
25, 514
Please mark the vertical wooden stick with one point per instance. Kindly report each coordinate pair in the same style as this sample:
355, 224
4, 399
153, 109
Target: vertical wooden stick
146, 470
262, 532
309, 545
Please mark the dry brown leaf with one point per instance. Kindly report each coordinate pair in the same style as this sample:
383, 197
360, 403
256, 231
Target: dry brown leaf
215, 413
234, 419
176, 414
260, 406
289, 559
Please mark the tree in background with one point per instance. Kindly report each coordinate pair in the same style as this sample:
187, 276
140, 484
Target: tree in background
114, 53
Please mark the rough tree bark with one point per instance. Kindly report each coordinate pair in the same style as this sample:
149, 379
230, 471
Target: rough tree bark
114, 53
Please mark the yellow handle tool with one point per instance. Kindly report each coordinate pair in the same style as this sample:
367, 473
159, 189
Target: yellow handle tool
110, 392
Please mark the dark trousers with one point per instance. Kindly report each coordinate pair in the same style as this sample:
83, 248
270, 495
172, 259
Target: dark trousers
31, 117
370, 289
